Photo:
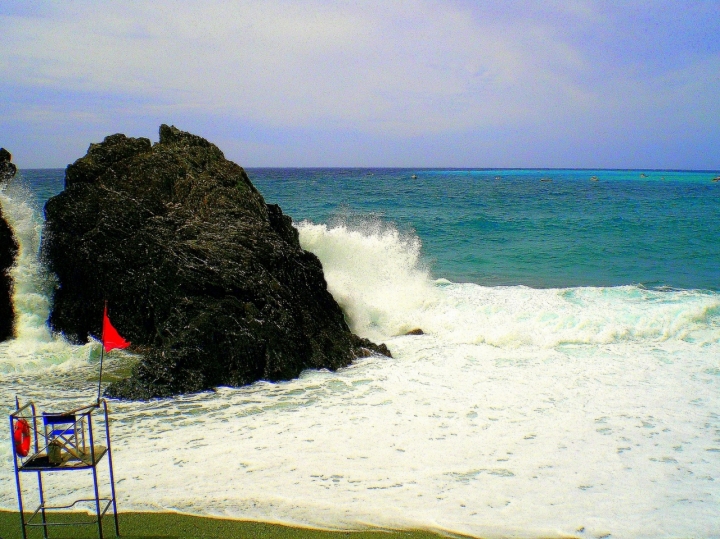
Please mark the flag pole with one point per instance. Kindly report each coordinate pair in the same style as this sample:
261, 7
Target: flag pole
102, 352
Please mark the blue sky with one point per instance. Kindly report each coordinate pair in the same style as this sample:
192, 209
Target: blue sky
607, 84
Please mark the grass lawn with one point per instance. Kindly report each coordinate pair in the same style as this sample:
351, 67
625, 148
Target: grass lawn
172, 525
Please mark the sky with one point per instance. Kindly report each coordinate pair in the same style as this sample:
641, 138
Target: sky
369, 83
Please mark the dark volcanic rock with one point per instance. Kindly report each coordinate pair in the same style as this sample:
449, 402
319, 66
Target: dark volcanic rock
7, 169
8, 252
208, 281
416, 331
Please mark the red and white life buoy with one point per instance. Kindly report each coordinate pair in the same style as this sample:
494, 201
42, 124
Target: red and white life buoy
21, 437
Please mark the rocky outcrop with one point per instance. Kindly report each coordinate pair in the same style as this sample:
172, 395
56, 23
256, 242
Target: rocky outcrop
8, 253
207, 280
7, 168
416, 331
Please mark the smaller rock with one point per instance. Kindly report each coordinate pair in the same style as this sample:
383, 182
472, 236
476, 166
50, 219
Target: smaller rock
366, 348
7, 169
8, 254
416, 331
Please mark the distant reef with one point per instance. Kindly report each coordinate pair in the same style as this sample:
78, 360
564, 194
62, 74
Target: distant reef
8, 253
207, 280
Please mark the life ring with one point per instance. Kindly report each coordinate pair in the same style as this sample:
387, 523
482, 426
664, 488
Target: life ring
21, 437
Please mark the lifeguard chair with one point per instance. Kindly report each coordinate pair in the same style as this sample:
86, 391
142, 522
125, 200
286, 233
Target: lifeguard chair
62, 442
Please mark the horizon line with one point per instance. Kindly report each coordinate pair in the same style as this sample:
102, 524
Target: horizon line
613, 169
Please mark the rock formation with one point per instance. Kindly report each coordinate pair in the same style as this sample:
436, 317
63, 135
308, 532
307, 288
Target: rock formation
7, 169
8, 252
207, 281
416, 331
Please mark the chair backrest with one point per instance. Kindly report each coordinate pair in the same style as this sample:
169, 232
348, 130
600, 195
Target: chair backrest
60, 425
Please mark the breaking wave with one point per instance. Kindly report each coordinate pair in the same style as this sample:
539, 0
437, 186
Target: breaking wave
376, 274
34, 346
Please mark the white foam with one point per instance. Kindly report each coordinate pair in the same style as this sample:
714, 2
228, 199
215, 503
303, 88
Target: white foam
521, 316
374, 273
476, 439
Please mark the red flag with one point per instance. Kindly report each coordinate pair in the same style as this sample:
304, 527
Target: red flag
110, 337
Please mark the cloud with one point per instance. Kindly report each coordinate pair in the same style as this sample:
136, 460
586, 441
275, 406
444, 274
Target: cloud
407, 68
404, 67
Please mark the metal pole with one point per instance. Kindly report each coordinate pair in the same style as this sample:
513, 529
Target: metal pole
110, 463
42, 504
94, 472
39, 473
102, 351
102, 354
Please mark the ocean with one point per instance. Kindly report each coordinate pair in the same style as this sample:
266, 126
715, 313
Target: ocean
567, 382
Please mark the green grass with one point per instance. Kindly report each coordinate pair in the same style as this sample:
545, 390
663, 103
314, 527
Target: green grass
175, 526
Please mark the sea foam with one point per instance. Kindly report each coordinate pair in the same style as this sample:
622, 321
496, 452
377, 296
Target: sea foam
374, 272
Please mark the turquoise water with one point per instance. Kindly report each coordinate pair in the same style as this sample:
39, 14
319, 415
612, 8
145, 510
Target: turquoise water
579, 399
622, 229
540, 228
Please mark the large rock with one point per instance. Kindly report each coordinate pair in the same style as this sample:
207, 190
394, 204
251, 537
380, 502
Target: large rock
207, 280
8, 253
